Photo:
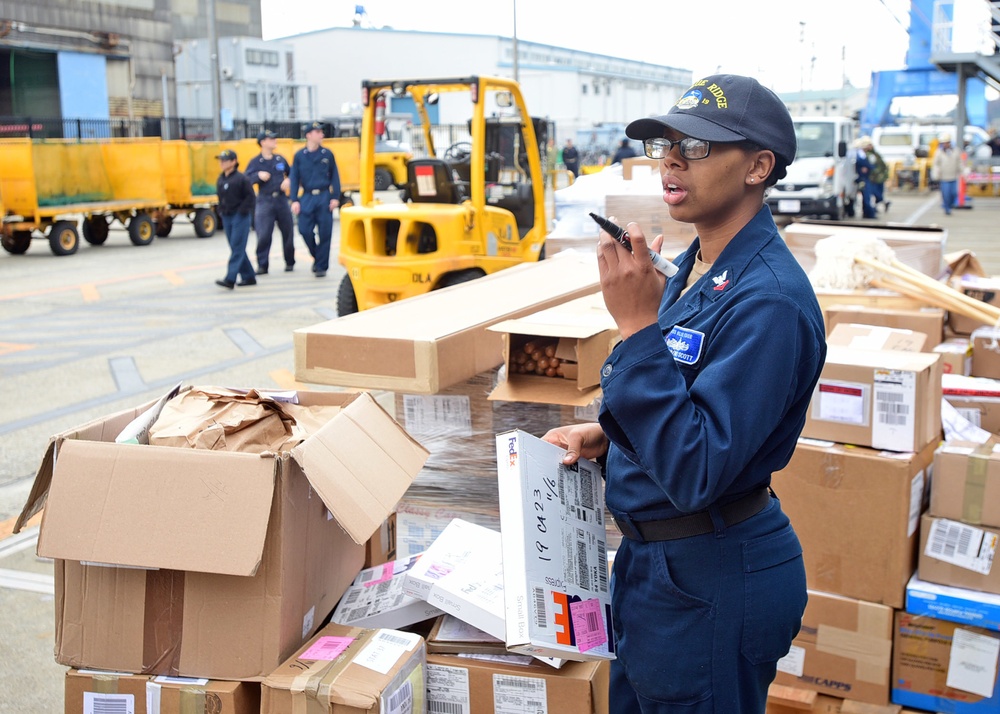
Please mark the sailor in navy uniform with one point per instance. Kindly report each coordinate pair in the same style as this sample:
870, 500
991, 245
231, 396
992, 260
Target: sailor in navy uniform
314, 171
270, 172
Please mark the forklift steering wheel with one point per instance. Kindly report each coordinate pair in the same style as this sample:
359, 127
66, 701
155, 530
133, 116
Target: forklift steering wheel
461, 151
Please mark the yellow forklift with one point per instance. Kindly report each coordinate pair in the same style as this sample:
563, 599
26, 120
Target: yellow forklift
469, 209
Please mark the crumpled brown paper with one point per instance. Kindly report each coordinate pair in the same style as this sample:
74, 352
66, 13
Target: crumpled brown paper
220, 419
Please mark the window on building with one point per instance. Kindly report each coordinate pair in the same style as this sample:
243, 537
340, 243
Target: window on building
583, 89
252, 100
262, 57
819, 107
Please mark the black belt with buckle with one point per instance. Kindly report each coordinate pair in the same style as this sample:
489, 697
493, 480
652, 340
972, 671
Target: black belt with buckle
699, 523
318, 191
275, 194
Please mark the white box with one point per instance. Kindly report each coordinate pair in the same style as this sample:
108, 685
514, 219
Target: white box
459, 542
377, 599
556, 589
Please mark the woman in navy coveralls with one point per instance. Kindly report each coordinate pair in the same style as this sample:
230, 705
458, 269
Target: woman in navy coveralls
702, 401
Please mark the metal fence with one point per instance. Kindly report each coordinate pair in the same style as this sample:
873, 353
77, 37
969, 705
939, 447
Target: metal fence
200, 129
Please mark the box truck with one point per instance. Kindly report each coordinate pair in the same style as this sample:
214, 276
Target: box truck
822, 177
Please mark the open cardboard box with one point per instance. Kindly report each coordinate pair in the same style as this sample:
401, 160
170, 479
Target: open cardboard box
583, 332
213, 564
427, 343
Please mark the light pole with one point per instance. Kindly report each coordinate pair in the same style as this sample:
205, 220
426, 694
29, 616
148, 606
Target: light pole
213, 54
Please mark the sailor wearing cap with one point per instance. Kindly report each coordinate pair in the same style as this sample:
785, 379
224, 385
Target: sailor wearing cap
702, 400
314, 170
235, 206
270, 172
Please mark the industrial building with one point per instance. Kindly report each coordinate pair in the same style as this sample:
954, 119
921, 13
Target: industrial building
572, 88
105, 59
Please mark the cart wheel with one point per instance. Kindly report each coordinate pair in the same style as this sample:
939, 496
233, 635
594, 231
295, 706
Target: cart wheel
383, 179
63, 238
346, 200
95, 229
164, 225
140, 229
347, 301
17, 242
205, 223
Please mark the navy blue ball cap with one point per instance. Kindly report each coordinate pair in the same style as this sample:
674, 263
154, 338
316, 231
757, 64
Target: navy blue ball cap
726, 108
266, 134
315, 126
227, 155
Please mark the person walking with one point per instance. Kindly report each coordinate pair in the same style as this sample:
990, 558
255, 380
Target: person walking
878, 172
945, 168
236, 201
314, 170
702, 401
270, 172
571, 158
863, 168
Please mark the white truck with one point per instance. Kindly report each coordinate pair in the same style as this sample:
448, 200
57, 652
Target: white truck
822, 177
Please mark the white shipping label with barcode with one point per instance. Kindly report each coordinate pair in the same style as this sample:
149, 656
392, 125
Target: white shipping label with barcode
916, 503
842, 402
519, 695
437, 415
448, 690
97, 703
962, 545
385, 649
972, 662
793, 663
894, 409
399, 701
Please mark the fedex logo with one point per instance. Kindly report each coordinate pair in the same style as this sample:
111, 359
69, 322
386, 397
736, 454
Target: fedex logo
512, 451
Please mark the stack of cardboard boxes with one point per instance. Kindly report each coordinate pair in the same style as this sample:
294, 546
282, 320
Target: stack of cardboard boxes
857, 490
186, 576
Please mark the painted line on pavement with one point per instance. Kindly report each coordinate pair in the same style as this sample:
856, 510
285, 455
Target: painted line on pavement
126, 374
242, 339
30, 582
7, 348
90, 292
286, 380
19, 541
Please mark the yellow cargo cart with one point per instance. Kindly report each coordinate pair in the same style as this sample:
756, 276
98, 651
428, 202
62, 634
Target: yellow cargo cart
48, 186
190, 170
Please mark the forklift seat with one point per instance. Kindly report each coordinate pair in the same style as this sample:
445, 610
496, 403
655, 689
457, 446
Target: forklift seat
432, 181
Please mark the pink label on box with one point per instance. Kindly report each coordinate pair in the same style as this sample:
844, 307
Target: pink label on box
327, 648
387, 571
588, 624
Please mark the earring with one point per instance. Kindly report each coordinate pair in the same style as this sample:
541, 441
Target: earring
751, 180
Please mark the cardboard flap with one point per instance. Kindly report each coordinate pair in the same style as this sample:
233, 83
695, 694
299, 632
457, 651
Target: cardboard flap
544, 390
361, 463
158, 507
873, 337
101, 429
39, 489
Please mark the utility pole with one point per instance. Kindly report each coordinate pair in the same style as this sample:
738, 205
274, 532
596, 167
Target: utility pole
516, 78
213, 54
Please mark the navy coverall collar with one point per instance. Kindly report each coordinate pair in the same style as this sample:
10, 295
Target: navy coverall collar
730, 265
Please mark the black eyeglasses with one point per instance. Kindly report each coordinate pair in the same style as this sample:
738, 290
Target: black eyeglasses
690, 148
